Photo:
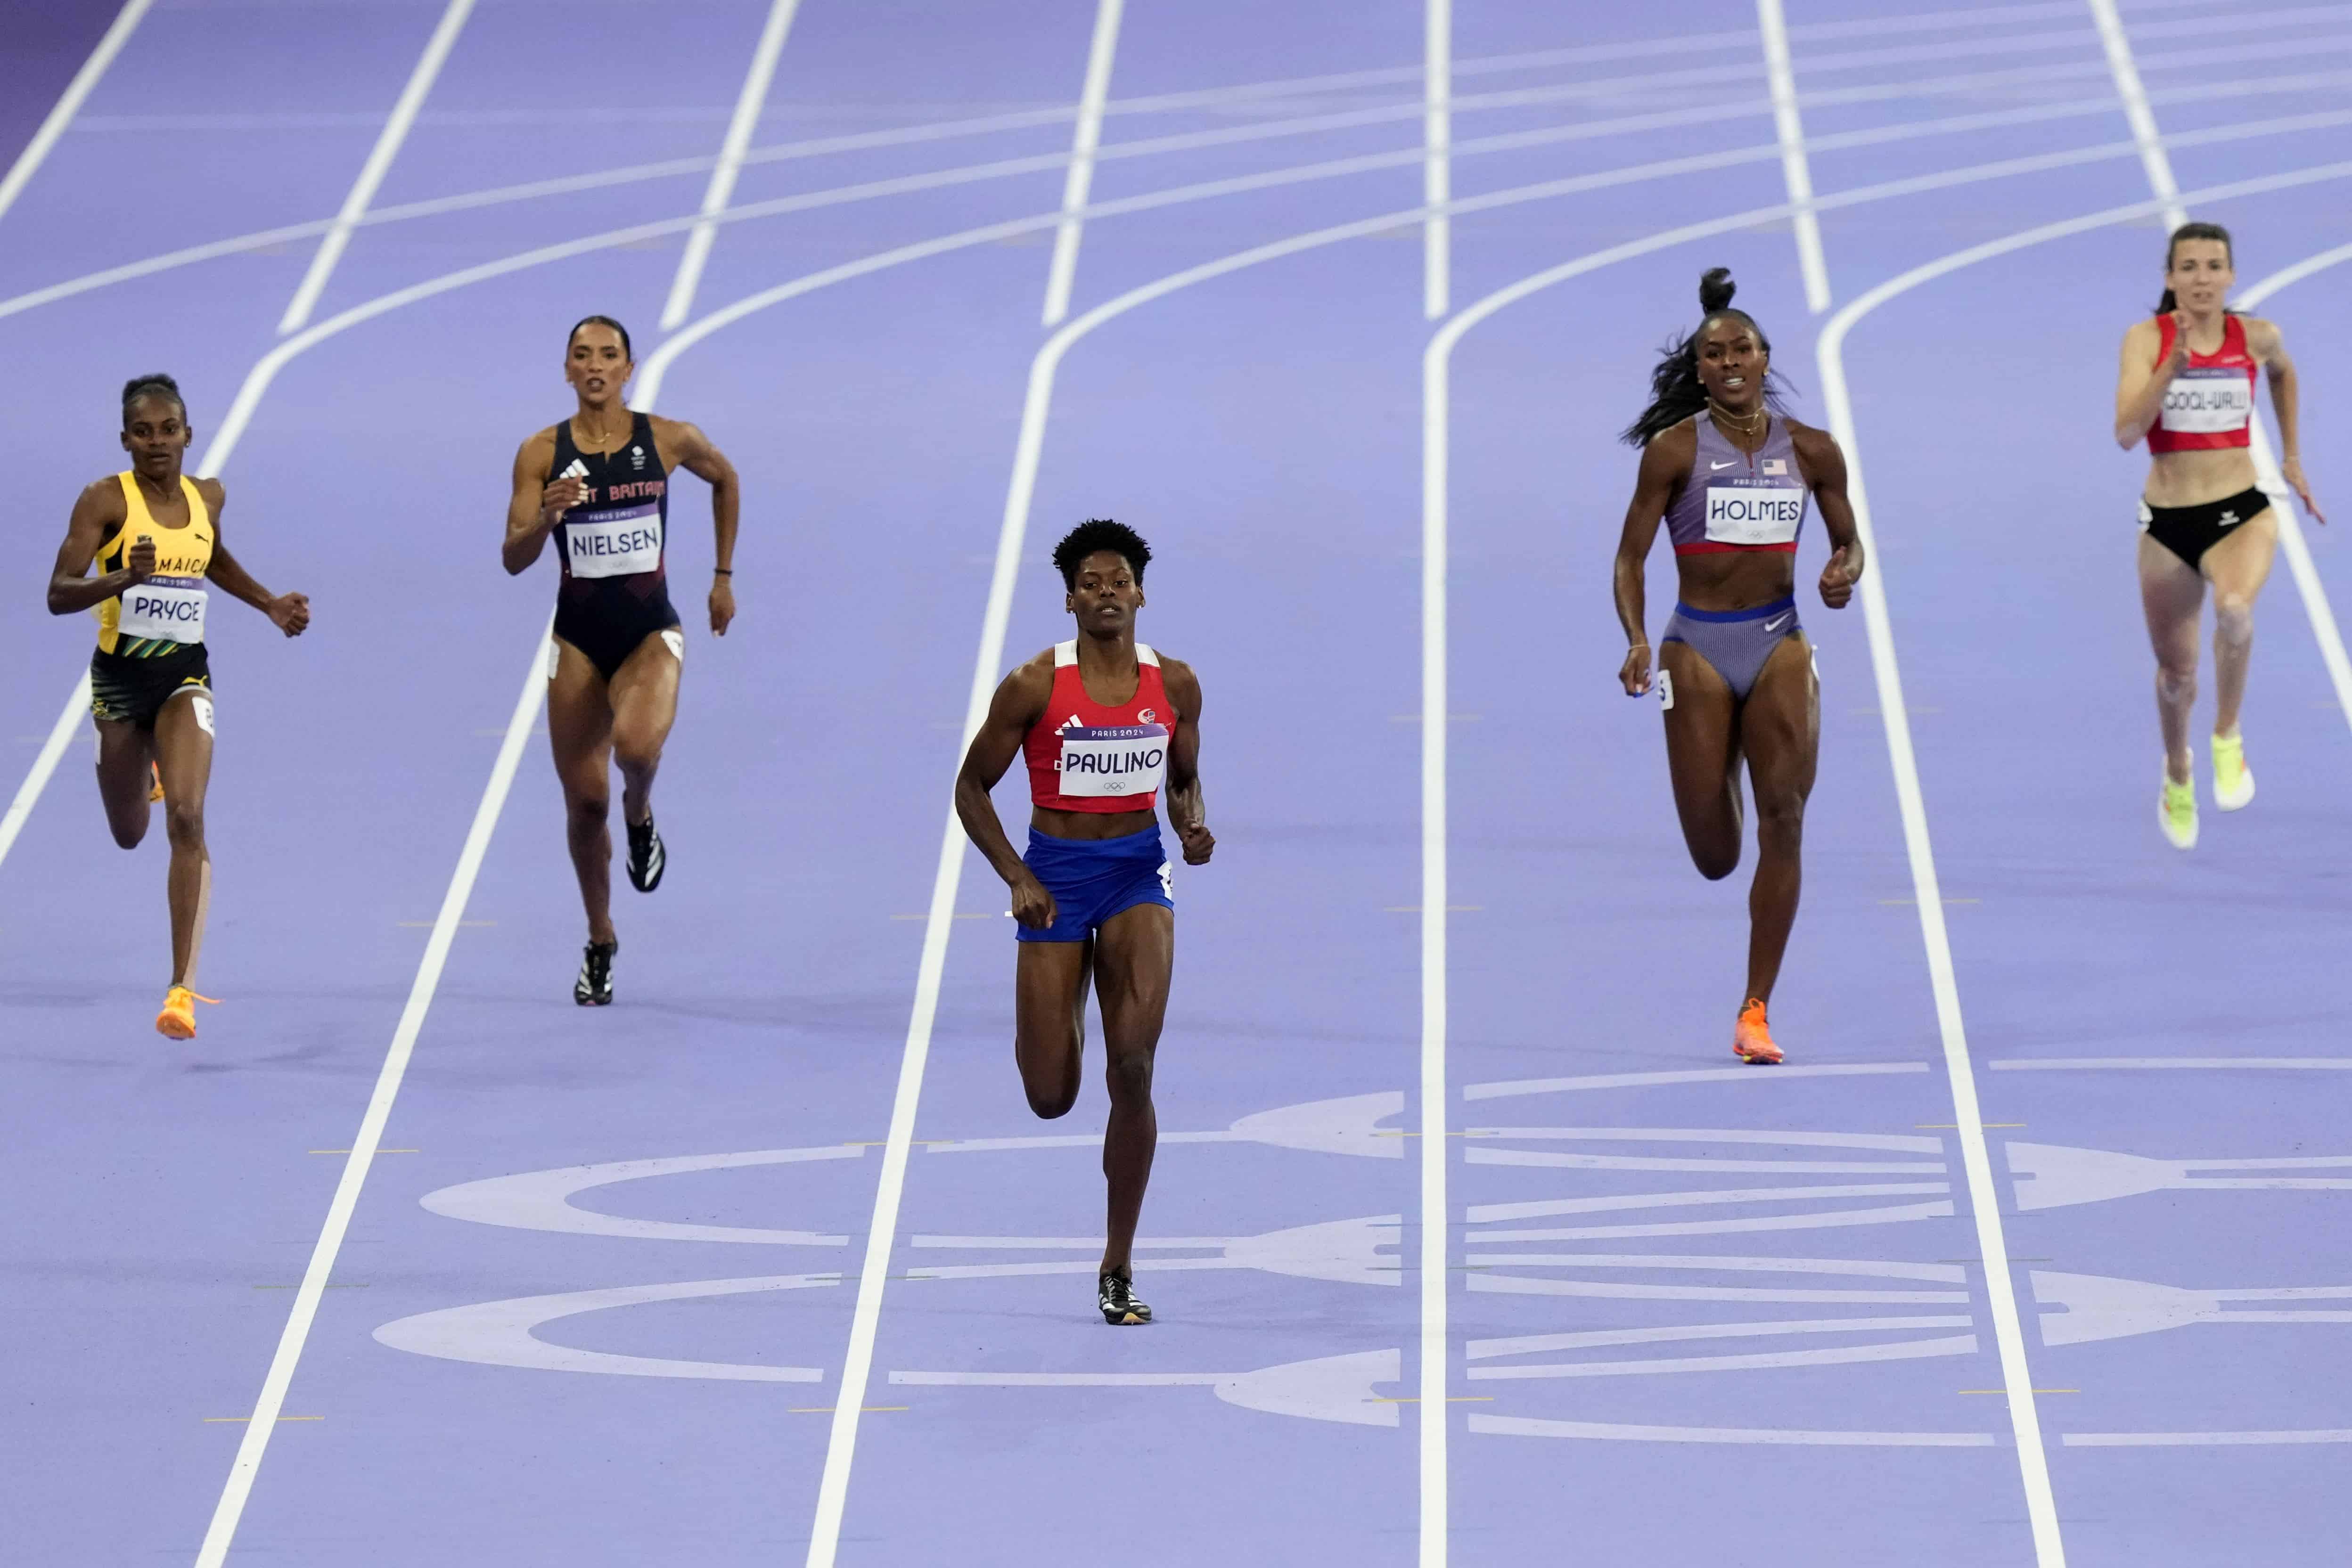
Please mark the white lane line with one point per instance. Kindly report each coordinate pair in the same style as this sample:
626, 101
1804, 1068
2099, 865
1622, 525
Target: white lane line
36, 152
1079, 181
2025, 1423
1795, 171
2309, 587
748, 103
2291, 537
263, 1422
1436, 1254
1437, 174
61, 735
2136, 112
387, 147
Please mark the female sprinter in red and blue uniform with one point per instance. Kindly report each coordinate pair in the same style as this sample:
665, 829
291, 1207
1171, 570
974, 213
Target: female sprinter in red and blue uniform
1731, 477
1103, 721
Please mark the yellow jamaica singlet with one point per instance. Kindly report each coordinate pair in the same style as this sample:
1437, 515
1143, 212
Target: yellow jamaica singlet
166, 612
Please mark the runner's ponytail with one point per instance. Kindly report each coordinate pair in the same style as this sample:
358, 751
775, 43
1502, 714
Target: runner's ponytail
1675, 392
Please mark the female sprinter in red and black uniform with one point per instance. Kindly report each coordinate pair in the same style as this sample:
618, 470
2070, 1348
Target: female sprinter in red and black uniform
600, 483
1731, 477
155, 535
1103, 720
2187, 385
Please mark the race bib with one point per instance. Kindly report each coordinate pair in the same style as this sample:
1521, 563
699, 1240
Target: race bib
2208, 403
1126, 759
1753, 514
164, 609
613, 544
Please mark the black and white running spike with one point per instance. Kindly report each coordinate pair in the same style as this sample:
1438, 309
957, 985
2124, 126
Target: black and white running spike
1115, 1294
646, 857
593, 989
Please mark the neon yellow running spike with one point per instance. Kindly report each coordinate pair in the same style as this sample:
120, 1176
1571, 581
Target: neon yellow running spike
2233, 782
2176, 813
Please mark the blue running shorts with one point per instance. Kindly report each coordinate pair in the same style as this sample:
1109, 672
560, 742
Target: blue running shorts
1093, 879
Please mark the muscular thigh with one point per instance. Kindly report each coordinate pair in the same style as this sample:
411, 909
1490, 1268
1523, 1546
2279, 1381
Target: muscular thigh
1702, 739
645, 693
2240, 561
1049, 992
183, 747
1779, 724
124, 751
579, 718
2171, 596
1135, 955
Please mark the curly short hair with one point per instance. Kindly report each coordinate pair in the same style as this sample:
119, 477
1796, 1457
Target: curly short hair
1100, 534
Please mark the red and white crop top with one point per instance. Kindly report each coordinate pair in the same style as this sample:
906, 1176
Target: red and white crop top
1085, 756
2210, 404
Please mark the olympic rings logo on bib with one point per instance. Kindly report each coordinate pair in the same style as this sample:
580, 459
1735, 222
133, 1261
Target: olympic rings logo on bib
1113, 760
1754, 514
164, 609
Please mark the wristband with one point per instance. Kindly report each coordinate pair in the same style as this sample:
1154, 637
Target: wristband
722, 572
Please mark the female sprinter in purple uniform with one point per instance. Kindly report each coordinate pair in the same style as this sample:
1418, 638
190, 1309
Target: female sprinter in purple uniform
2187, 385
1103, 722
599, 482
1731, 475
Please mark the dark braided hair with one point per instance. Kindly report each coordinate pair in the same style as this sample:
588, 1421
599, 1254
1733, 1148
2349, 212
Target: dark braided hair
2166, 306
157, 385
1675, 394
1100, 534
626, 352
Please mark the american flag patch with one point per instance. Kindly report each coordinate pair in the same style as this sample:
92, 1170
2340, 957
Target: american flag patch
1776, 465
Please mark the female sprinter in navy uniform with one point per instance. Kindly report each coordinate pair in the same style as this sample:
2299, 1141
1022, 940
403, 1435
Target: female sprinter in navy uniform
1103, 721
600, 483
1731, 478
2187, 385
155, 535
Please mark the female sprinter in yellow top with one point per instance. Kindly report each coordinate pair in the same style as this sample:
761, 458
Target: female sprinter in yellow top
155, 535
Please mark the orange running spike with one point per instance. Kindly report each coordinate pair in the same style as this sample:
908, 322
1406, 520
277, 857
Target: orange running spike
178, 1019
1751, 1038
155, 783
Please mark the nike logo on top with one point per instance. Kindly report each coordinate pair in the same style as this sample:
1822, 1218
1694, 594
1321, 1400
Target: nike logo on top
1713, 466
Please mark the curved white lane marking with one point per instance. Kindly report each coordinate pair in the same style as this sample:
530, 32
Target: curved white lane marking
388, 142
84, 81
542, 1200
498, 1334
728, 166
1591, 1339
1155, 146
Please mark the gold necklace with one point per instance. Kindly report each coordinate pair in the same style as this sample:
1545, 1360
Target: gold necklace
1746, 426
